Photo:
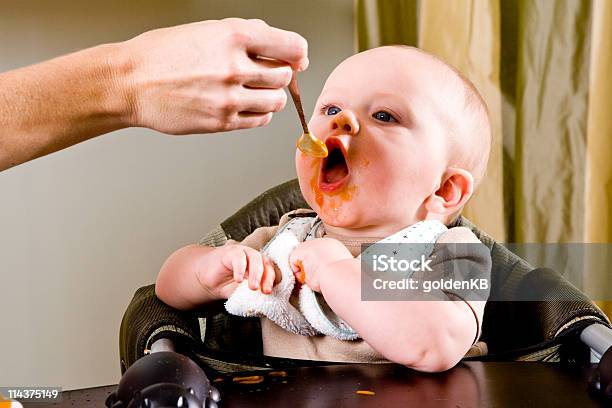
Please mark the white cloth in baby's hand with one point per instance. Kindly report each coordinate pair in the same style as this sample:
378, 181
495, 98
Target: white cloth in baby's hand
313, 316
276, 306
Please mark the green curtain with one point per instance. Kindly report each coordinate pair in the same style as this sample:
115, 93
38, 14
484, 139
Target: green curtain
542, 66
598, 219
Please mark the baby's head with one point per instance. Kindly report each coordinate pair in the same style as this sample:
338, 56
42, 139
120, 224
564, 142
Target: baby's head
408, 140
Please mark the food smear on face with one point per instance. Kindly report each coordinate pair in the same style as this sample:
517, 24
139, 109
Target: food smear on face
338, 198
346, 194
329, 182
330, 203
314, 186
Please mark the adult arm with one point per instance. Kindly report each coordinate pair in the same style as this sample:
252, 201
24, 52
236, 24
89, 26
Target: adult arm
202, 77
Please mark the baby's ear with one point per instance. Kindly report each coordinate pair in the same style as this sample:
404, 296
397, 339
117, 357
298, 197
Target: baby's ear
456, 188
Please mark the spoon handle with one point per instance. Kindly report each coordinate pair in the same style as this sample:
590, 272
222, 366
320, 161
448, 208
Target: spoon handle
297, 101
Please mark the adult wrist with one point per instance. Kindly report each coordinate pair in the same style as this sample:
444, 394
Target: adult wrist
121, 95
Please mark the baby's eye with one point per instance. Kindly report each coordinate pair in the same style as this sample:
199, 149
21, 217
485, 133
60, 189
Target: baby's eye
384, 116
331, 110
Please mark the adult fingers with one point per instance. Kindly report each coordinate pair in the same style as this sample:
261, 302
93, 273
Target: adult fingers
271, 42
247, 120
267, 73
262, 100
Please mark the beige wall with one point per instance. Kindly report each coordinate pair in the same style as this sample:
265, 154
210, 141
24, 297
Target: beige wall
80, 230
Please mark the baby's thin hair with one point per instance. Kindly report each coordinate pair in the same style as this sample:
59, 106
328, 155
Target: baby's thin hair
477, 127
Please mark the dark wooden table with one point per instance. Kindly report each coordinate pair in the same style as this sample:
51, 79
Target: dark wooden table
470, 384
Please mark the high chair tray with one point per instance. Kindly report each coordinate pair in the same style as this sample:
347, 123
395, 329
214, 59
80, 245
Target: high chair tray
475, 384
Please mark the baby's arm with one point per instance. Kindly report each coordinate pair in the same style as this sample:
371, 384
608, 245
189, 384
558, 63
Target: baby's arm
196, 274
425, 335
428, 335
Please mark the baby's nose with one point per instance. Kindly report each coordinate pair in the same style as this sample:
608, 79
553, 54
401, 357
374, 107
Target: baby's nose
345, 121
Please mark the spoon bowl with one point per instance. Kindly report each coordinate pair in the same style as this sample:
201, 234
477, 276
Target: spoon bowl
307, 143
311, 146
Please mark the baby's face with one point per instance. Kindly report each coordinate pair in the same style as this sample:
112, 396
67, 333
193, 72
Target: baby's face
387, 144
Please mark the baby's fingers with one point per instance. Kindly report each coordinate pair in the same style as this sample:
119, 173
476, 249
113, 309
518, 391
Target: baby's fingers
235, 260
269, 276
297, 266
255, 268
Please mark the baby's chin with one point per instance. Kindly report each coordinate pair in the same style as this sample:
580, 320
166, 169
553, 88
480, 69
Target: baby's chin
345, 218
336, 221
333, 215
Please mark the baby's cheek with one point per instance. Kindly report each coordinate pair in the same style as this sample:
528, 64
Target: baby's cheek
305, 166
303, 161
307, 171
387, 186
376, 178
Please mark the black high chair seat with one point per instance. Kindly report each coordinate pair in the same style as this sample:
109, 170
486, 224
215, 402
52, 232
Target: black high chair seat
514, 329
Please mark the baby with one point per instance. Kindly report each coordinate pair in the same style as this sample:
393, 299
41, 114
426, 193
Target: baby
408, 140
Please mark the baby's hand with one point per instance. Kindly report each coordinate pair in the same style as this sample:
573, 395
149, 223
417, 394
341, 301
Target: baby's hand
307, 258
238, 262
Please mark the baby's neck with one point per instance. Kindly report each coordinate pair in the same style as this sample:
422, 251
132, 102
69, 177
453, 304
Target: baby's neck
373, 233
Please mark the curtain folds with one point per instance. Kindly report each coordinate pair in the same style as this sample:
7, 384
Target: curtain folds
551, 115
463, 33
598, 217
542, 66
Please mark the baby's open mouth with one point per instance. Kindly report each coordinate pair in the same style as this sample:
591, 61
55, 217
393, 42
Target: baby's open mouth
334, 169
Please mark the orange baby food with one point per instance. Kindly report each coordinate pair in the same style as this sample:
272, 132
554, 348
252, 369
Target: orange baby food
252, 379
300, 276
365, 392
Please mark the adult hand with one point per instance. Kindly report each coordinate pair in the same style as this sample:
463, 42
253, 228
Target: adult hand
202, 77
211, 76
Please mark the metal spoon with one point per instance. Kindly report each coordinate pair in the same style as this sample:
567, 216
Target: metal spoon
307, 143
